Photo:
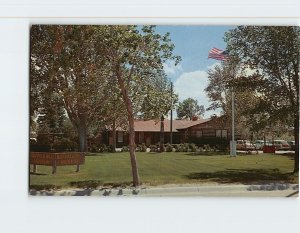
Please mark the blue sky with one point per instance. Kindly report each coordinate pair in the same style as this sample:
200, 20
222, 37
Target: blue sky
193, 43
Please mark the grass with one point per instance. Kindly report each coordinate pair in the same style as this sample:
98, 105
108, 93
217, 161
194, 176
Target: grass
113, 169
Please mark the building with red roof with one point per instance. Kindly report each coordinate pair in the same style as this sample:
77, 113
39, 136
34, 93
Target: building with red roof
148, 131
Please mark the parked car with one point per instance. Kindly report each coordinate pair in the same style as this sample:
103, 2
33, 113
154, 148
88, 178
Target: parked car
292, 145
244, 145
281, 145
259, 144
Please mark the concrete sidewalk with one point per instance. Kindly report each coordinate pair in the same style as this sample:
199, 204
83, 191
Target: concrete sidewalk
270, 190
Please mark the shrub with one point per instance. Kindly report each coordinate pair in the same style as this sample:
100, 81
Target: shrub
218, 143
153, 148
142, 148
163, 149
169, 148
182, 147
110, 149
94, 148
42, 144
125, 149
207, 148
102, 148
64, 144
192, 147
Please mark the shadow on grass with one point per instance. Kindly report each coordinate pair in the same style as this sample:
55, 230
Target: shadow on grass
37, 174
98, 184
95, 154
206, 153
245, 176
86, 184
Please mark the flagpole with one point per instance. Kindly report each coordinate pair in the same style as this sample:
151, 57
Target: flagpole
219, 54
233, 142
171, 125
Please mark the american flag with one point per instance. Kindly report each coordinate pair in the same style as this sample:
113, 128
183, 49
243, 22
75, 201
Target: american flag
217, 54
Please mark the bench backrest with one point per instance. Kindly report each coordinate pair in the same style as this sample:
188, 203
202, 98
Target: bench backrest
58, 159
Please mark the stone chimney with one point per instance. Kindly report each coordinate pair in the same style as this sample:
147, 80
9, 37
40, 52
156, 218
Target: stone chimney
194, 118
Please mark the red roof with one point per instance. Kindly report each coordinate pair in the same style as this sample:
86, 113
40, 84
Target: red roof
154, 126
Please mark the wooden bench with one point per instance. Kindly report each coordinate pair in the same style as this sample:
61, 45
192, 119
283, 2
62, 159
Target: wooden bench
56, 159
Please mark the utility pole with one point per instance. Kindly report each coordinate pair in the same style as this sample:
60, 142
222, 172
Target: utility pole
162, 129
233, 142
171, 123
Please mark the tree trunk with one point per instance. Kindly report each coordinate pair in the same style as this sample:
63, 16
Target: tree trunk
135, 174
296, 120
82, 138
296, 135
114, 143
130, 115
162, 129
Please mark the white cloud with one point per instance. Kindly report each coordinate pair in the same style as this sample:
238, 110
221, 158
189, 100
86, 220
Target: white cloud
213, 66
170, 68
192, 85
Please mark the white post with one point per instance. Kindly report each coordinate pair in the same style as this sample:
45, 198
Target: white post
171, 125
233, 142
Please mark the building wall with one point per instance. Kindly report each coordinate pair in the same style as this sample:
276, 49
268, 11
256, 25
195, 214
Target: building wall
147, 138
213, 128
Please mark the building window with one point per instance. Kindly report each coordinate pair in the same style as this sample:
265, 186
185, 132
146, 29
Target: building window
209, 132
120, 136
221, 133
224, 133
141, 137
199, 133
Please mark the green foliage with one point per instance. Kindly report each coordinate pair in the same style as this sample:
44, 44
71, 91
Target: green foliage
54, 143
64, 144
219, 91
153, 148
125, 149
141, 148
274, 54
207, 147
219, 143
67, 63
41, 145
169, 148
91, 68
182, 147
192, 147
189, 108
101, 148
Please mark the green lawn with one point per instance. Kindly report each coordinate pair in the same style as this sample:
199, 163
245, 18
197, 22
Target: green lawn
168, 168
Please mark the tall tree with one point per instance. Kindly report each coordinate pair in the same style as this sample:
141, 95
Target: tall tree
274, 54
219, 89
51, 116
81, 62
114, 111
136, 56
66, 60
189, 108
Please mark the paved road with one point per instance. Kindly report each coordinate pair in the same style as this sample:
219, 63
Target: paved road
270, 190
